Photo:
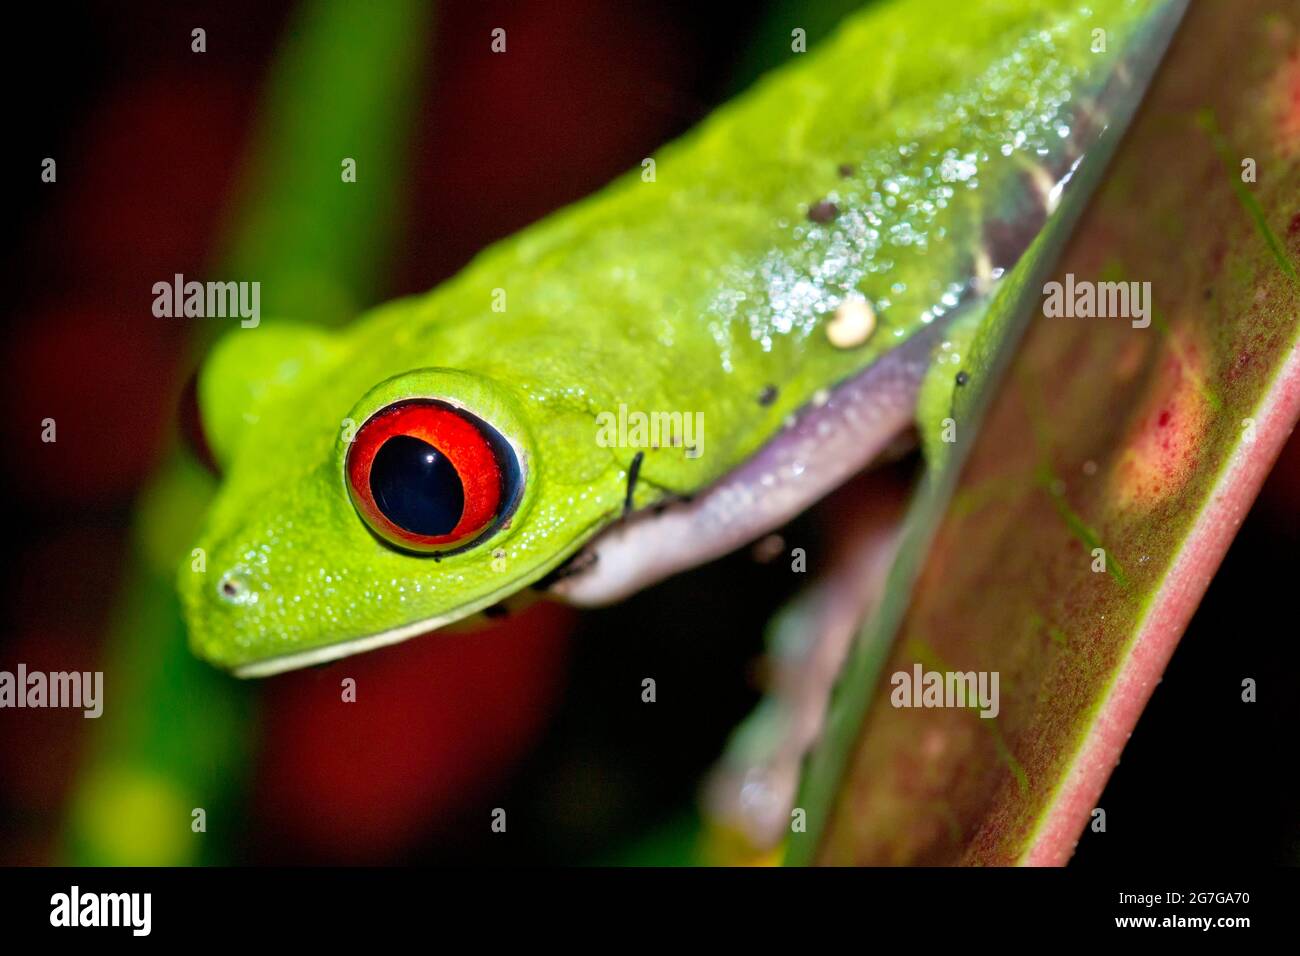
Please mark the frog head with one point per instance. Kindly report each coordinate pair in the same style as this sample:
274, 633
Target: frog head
363, 503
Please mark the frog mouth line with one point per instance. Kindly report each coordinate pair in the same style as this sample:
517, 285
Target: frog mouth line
357, 645
326, 653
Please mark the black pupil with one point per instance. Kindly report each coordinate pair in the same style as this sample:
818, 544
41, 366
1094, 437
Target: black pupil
416, 487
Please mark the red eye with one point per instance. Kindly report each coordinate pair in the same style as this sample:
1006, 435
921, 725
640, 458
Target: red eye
426, 476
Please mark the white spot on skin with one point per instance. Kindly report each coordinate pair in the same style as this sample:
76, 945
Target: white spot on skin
853, 323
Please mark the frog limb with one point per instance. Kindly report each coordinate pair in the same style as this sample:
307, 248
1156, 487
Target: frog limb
753, 788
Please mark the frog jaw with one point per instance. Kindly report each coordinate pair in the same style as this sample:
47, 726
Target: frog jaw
332, 652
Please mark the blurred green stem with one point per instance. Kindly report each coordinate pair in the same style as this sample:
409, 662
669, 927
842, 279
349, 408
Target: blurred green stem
177, 736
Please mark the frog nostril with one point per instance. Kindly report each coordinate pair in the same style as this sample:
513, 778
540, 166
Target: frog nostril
234, 590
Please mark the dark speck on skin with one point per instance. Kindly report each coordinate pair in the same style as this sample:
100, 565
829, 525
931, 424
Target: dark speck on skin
962, 378
768, 395
823, 211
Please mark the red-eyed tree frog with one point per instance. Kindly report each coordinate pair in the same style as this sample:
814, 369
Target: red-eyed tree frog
662, 372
